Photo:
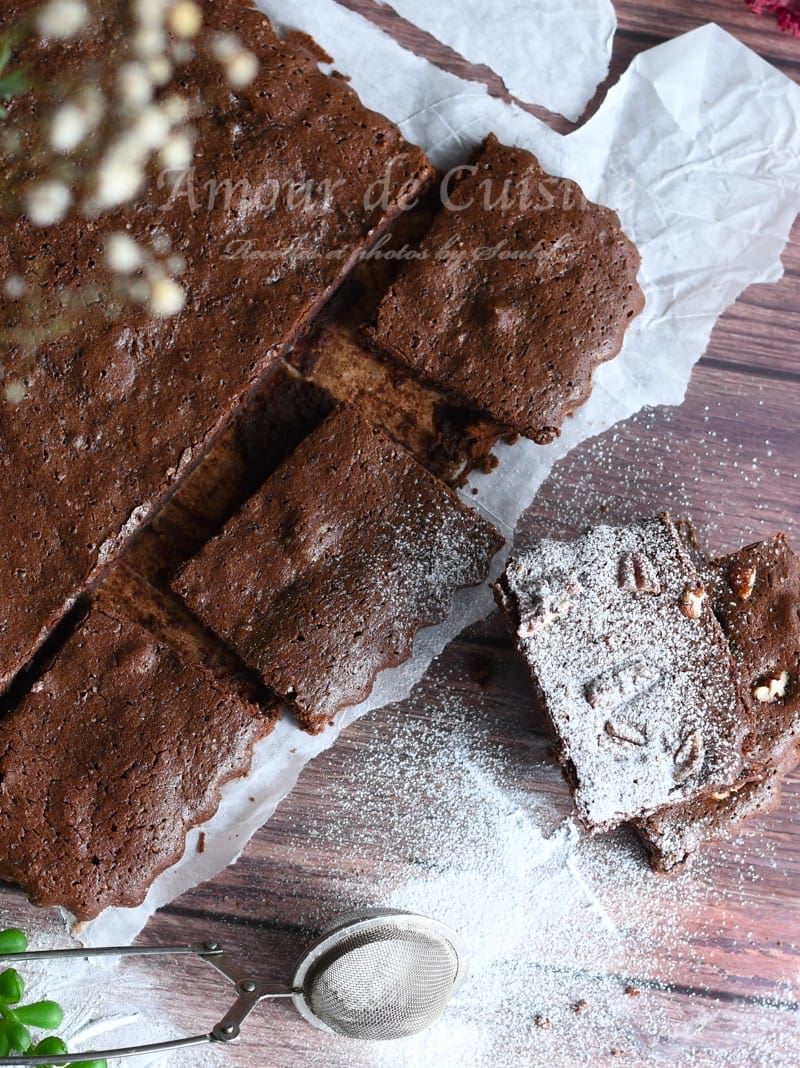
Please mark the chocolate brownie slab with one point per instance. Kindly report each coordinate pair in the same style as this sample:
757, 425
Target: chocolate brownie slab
324, 577
115, 753
120, 404
634, 672
523, 289
756, 596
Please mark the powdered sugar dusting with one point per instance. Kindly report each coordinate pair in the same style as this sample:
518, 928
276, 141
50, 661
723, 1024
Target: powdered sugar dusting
561, 927
637, 682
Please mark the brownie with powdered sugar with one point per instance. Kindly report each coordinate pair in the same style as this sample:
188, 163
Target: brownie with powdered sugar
755, 593
633, 669
325, 575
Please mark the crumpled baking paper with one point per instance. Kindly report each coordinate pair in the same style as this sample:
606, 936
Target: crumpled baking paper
698, 149
548, 52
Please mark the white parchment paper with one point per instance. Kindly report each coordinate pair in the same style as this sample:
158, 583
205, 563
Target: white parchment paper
698, 149
549, 52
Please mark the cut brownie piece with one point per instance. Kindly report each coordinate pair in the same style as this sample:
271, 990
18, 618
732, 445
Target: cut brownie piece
451, 442
634, 672
523, 289
119, 404
116, 751
756, 596
325, 575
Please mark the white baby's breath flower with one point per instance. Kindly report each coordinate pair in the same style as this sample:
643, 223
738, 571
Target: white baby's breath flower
185, 19
62, 18
241, 69
15, 391
70, 127
151, 12
160, 69
176, 108
148, 41
152, 128
14, 287
123, 254
161, 242
177, 153
47, 203
241, 66
134, 85
225, 46
176, 264
166, 297
76, 119
183, 51
119, 178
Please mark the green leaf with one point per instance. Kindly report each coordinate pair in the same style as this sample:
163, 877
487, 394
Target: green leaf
91, 1064
12, 986
12, 83
15, 83
50, 1046
19, 1037
47, 1015
12, 940
5, 1045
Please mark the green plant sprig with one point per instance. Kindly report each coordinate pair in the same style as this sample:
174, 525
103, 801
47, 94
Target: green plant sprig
16, 1022
13, 82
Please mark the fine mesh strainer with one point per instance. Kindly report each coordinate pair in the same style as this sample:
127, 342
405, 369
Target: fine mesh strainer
377, 975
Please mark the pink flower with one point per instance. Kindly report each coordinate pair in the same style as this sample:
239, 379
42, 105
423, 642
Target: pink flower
787, 12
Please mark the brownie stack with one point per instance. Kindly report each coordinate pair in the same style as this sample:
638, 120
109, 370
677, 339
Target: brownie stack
213, 518
673, 691
323, 578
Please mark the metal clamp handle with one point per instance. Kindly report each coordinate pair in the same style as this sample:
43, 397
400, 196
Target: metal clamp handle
249, 995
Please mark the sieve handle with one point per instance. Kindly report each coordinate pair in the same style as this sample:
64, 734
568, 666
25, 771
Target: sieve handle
249, 994
104, 1054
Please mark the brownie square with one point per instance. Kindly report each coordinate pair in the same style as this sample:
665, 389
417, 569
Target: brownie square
119, 404
323, 578
756, 596
633, 670
116, 751
523, 287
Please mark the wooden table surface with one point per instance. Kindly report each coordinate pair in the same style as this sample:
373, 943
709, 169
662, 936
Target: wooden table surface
729, 457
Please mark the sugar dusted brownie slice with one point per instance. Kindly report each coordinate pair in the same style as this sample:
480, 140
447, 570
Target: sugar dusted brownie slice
118, 403
756, 596
116, 751
324, 577
633, 669
523, 288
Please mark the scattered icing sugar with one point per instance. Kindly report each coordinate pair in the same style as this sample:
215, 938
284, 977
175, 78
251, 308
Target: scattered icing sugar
642, 697
562, 928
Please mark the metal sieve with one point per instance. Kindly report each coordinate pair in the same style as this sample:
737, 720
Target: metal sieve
378, 975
